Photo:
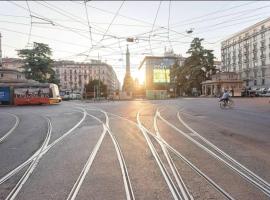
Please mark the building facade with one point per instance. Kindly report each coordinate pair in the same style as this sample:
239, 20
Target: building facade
222, 81
12, 63
248, 54
157, 70
74, 76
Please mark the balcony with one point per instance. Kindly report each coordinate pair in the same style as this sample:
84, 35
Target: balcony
263, 56
263, 47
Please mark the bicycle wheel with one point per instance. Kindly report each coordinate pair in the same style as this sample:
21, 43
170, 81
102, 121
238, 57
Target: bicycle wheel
222, 105
230, 103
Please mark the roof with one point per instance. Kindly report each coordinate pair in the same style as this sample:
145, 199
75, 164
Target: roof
246, 29
169, 56
9, 70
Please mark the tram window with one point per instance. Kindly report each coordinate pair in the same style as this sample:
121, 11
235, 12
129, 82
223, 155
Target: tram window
51, 93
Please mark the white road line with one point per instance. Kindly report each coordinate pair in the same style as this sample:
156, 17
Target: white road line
265, 190
184, 191
12, 195
21, 166
262, 185
163, 170
75, 189
12, 129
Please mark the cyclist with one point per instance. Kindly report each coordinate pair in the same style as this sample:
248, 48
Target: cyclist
225, 97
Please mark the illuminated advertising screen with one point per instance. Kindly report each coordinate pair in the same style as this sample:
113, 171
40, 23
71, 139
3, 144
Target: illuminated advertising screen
161, 75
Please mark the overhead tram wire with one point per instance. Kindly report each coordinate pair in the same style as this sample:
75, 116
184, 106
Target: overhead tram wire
46, 19
153, 26
88, 21
169, 16
145, 21
212, 13
31, 24
108, 28
67, 14
222, 16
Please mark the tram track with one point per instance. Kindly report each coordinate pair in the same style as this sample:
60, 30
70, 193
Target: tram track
189, 163
181, 185
40, 152
76, 187
178, 155
120, 156
247, 176
245, 172
12, 128
12, 195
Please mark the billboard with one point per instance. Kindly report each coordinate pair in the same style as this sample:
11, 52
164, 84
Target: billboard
161, 75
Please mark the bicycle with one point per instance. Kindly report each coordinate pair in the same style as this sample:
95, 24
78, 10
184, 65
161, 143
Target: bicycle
226, 104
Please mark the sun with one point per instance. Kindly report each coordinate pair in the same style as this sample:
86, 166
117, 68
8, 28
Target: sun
140, 75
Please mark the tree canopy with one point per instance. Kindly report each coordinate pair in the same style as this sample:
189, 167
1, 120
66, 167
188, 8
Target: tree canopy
93, 85
38, 63
196, 69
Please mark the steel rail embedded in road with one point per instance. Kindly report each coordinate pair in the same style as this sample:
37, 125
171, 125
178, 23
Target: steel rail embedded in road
165, 173
12, 195
265, 190
181, 185
25, 163
120, 157
192, 166
254, 176
76, 187
12, 129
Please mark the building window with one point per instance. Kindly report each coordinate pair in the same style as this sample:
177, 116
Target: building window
255, 82
263, 82
18, 76
263, 62
2, 75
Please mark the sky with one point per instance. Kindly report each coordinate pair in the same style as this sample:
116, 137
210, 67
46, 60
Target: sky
155, 25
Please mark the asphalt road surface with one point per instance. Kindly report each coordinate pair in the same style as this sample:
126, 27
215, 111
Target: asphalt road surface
186, 148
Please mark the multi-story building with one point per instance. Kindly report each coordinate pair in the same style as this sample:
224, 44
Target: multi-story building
157, 70
12, 64
74, 75
248, 54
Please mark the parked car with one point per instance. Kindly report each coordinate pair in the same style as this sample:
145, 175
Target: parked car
267, 94
261, 91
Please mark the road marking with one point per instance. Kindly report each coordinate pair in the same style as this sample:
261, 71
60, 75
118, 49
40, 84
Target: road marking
12, 129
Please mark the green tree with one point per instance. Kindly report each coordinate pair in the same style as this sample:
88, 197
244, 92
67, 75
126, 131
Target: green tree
38, 63
92, 86
196, 69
